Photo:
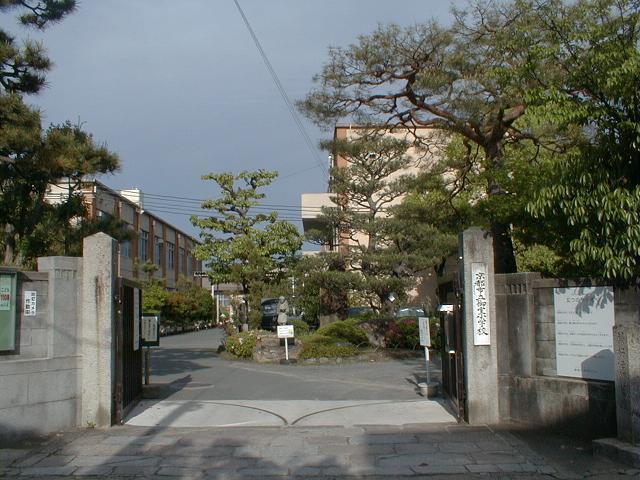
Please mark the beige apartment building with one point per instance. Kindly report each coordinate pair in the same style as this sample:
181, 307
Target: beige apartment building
156, 242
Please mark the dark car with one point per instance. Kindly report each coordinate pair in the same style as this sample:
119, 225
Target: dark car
269, 314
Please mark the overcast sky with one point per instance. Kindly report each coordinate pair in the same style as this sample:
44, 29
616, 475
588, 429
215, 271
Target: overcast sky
178, 89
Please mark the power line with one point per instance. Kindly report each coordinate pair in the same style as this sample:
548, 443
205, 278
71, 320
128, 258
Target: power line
283, 93
199, 201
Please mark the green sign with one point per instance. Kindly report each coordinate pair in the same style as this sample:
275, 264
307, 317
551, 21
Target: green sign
7, 311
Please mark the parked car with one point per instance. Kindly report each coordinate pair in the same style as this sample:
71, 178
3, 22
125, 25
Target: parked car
357, 311
410, 312
269, 314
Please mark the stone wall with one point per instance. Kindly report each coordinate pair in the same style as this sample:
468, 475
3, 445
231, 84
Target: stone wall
530, 392
62, 374
40, 380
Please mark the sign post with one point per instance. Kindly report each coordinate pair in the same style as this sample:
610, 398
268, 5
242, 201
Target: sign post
425, 340
286, 332
149, 337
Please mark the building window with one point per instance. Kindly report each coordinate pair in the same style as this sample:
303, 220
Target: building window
181, 259
157, 250
189, 265
142, 246
125, 248
171, 248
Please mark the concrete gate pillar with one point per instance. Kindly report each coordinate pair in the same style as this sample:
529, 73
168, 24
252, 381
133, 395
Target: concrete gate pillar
626, 345
479, 330
98, 327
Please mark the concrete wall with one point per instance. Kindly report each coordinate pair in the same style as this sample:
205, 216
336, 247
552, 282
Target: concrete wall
40, 381
62, 374
530, 392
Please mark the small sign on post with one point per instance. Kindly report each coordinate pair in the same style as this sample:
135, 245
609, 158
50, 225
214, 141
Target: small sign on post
149, 337
286, 332
425, 340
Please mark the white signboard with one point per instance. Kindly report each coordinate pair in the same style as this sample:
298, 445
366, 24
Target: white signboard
30, 303
584, 332
136, 319
285, 331
149, 331
480, 299
425, 334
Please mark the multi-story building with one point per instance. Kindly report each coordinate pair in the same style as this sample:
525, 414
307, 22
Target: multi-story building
156, 241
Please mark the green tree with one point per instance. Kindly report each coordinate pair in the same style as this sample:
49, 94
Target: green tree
31, 158
154, 297
387, 252
239, 246
457, 80
592, 86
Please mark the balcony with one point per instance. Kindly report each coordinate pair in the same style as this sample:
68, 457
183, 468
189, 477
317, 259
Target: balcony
311, 204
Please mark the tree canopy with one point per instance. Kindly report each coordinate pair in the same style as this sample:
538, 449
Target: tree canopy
547, 87
240, 246
32, 157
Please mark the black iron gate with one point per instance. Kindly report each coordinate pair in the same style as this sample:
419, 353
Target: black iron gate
129, 381
453, 383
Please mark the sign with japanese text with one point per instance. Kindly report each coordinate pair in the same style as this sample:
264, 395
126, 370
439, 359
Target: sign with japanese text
8, 318
425, 334
30, 307
480, 307
136, 318
285, 331
150, 331
584, 318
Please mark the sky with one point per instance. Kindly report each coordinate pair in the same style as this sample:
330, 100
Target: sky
178, 89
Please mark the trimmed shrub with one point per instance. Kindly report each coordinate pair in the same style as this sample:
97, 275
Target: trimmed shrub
241, 344
300, 327
403, 333
317, 345
345, 330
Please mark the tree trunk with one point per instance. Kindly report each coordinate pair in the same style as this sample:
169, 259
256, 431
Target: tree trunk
504, 260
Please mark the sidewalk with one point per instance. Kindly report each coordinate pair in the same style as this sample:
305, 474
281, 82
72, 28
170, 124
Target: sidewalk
445, 450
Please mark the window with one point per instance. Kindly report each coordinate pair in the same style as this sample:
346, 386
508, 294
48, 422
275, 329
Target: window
189, 265
171, 248
157, 250
125, 248
143, 242
181, 259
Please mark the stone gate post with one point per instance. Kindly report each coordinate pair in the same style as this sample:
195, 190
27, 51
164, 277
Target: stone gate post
98, 327
479, 330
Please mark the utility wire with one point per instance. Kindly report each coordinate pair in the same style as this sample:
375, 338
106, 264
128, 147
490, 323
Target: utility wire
283, 93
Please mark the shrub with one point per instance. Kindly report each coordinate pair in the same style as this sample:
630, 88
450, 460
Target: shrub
345, 330
436, 333
241, 344
300, 327
317, 345
230, 329
403, 333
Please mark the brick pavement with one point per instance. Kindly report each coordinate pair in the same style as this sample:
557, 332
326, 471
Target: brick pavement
416, 451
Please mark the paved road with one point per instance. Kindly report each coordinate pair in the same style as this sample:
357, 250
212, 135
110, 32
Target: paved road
190, 363
267, 446
197, 387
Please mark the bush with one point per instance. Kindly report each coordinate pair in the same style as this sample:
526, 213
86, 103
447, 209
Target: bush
300, 327
345, 330
230, 329
403, 333
436, 333
317, 345
241, 344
